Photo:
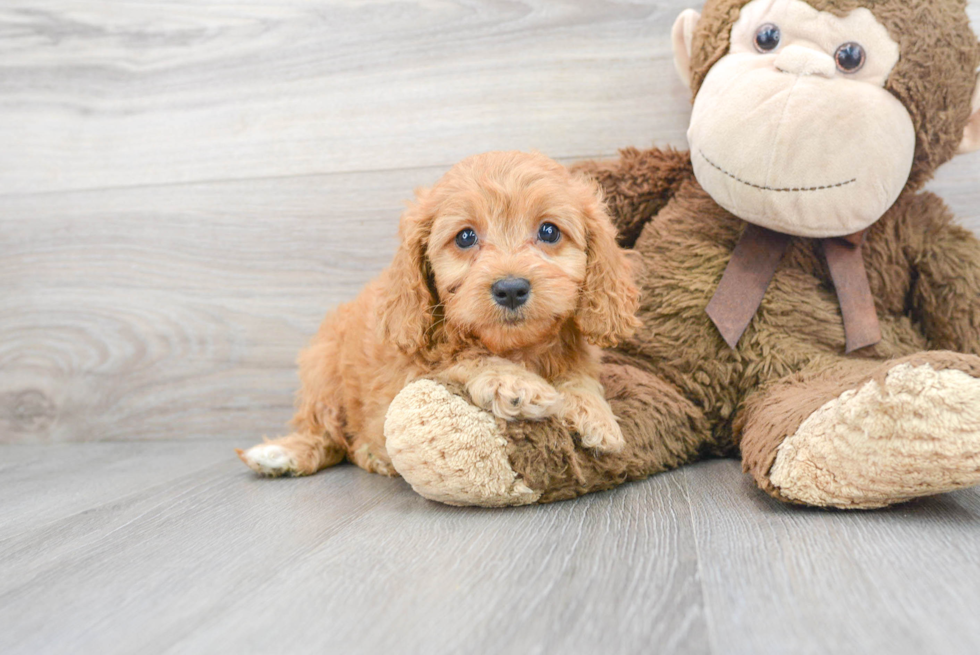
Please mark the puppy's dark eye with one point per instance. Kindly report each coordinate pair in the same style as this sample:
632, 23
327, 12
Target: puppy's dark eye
466, 238
549, 233
850, 57
767, 38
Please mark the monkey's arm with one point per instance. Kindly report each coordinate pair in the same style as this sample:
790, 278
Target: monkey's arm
946, 292
638, 185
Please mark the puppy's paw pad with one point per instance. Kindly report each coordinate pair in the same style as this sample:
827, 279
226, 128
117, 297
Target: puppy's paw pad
269, 459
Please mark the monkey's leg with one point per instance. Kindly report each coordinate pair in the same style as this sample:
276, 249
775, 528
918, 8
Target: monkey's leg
863, 434
454, 452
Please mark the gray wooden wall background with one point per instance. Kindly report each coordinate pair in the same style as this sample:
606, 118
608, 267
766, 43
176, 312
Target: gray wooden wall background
186, 186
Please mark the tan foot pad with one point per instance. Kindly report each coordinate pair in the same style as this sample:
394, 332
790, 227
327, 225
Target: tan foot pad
918, 434
451, 451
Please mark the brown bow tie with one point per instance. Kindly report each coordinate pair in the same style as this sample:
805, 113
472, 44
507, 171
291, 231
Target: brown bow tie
753, 266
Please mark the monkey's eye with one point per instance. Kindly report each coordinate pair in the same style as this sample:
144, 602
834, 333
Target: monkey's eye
549, 233
767, 38
850, 57
466, 238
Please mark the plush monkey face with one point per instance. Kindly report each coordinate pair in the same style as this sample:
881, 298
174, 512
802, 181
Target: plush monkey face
793, 127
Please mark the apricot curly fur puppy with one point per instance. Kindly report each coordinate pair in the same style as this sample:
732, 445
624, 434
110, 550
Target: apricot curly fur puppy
507, 281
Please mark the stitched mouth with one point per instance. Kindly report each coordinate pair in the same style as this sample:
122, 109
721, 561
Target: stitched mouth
776, 189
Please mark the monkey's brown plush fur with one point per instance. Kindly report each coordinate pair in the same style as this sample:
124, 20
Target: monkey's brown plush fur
887, 423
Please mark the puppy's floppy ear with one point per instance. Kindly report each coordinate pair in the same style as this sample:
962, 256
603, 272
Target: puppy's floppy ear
407, 300
607, 308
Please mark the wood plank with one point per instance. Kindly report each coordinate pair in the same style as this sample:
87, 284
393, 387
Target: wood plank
606, 573
344, 561
41, 485
781, 579
123, 93
178, 312
127, 574
958, 183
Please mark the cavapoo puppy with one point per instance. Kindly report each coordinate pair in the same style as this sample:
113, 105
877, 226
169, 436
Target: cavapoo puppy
507, 280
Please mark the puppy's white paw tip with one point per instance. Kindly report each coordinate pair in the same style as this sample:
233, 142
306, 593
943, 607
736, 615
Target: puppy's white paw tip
268, 459
604, 444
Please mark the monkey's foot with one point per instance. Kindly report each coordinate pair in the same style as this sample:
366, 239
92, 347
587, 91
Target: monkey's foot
451, 451
914, 433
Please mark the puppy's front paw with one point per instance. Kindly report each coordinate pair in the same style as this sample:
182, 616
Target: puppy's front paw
597, 429
513, 397
269, 460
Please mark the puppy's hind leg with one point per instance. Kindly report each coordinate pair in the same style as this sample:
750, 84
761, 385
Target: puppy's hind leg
368, 449
294, 454
303, 452
318, 441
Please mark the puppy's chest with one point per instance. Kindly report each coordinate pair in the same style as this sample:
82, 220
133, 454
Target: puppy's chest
556, 362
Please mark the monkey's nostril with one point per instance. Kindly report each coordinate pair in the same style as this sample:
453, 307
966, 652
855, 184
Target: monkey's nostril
511, 292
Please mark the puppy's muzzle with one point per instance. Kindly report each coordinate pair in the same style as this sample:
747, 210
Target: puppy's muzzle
511, 292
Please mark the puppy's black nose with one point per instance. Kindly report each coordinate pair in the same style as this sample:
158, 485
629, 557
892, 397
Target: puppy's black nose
511, 292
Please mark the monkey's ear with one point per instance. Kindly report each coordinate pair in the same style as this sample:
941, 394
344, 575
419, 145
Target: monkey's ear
971, 135
683, 39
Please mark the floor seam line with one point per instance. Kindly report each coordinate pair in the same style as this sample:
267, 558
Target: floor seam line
709, 623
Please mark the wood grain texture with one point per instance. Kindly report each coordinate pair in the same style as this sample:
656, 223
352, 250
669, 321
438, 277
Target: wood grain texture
41, 486
792, 580
178, 313
123, 93
218, 560
187, 187
213, 559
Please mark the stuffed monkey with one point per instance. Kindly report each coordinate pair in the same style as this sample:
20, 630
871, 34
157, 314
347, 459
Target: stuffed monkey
805, 304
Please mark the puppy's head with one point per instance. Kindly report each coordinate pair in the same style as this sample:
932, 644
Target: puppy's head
506, 248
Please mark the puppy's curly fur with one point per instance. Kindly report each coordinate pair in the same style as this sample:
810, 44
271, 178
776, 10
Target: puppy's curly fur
432, 313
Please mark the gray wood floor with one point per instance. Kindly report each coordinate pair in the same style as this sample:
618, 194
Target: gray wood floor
186, 186
175, 548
